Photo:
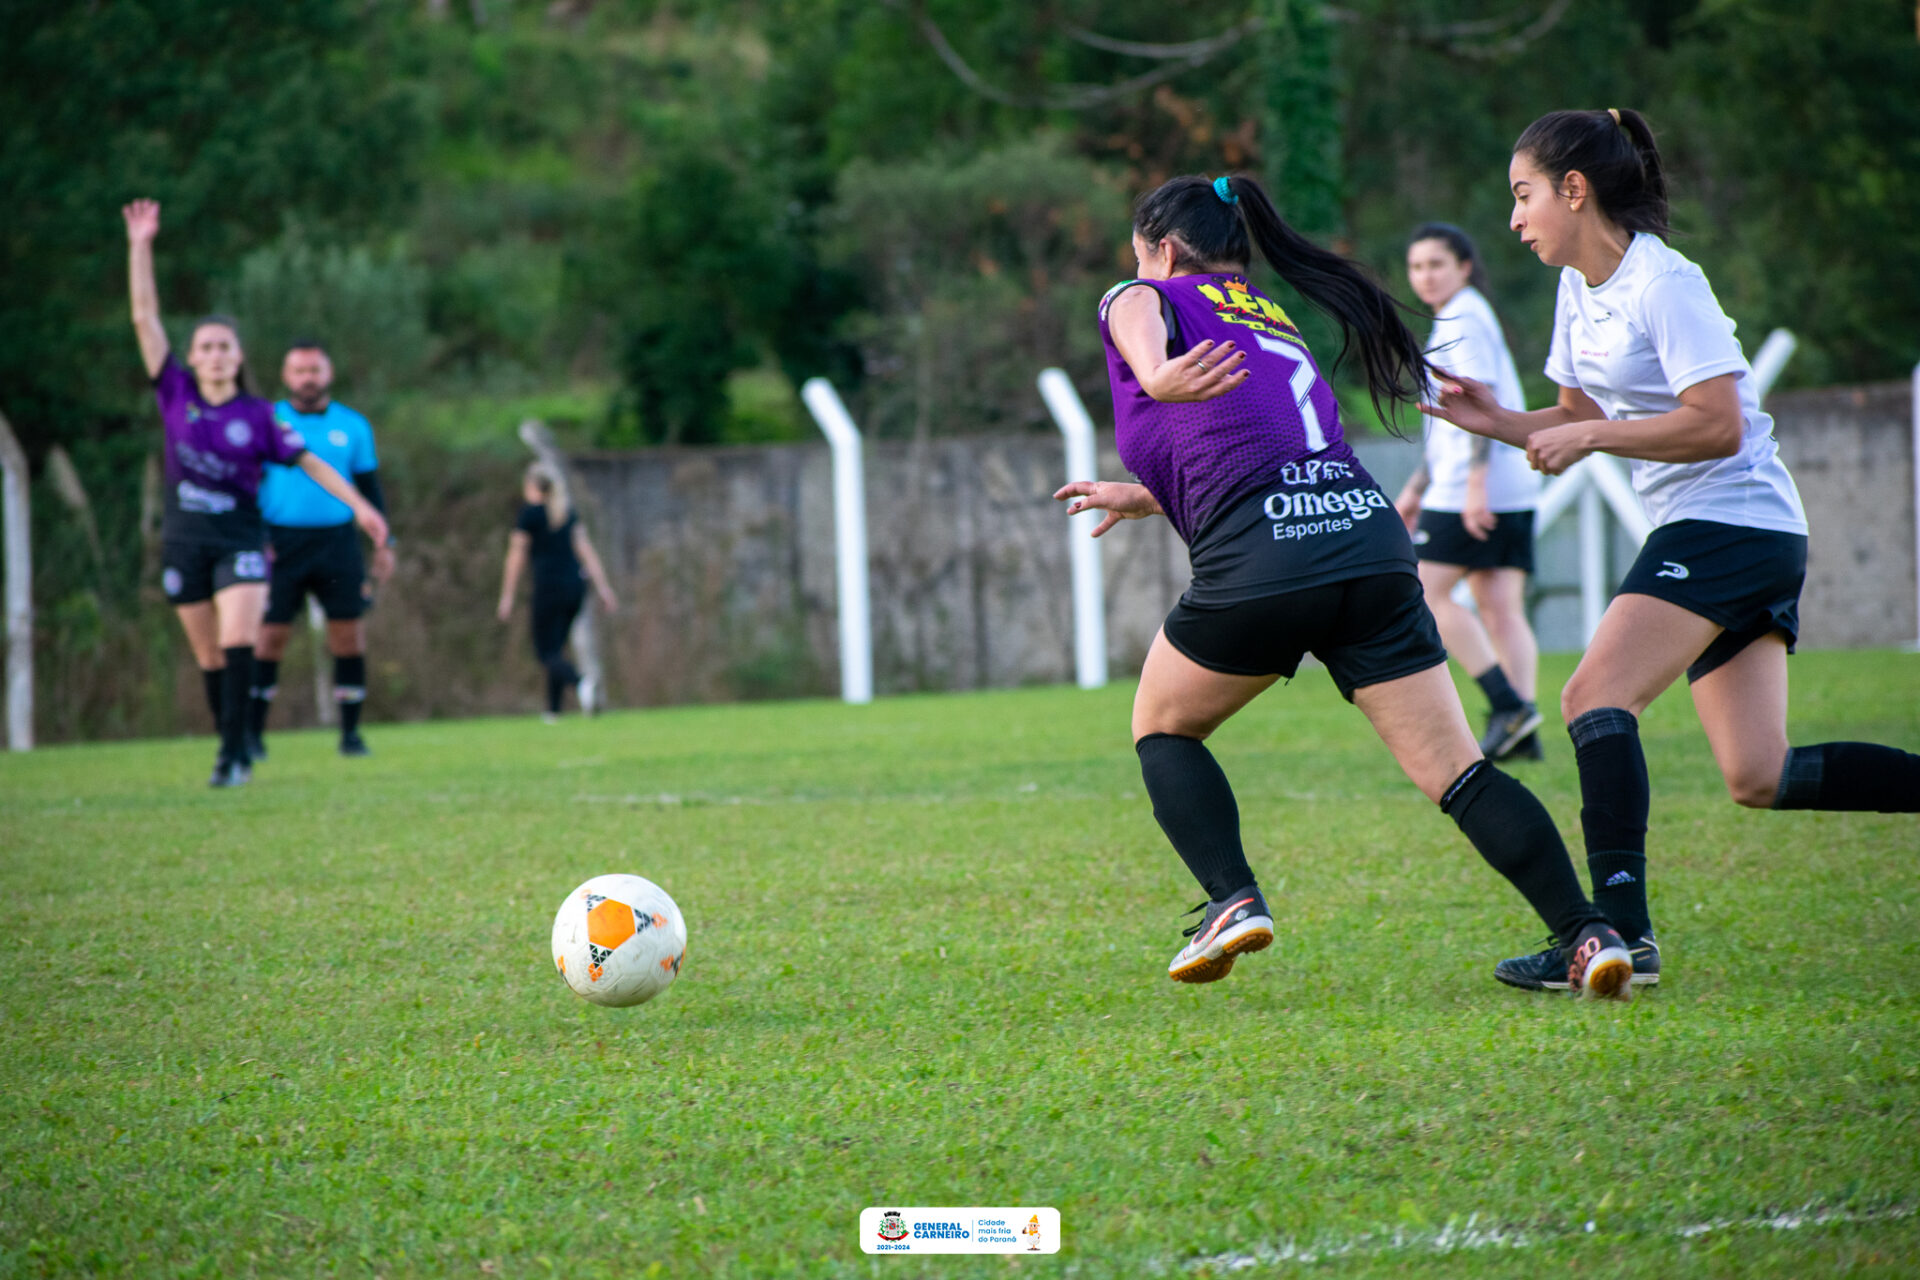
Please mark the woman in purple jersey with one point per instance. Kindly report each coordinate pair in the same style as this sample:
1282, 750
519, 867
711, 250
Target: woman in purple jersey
1222, 413
1649, 370
213, 544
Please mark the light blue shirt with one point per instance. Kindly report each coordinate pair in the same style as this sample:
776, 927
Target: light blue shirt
338, 436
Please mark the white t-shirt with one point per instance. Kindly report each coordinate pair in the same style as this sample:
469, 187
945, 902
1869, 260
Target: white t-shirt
1633, 344
1466, 341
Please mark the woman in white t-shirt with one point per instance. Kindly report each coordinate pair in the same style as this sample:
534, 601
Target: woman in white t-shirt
1470, 504
1649, 370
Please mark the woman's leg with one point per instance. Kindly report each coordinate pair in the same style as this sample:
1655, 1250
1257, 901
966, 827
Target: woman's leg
1467, 641
1501, 595
1420, 720
1643, 645
1178, 704
1743, 708
239, 609
203, 637
553, 615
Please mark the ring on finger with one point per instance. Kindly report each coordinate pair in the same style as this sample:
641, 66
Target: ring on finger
1201, 364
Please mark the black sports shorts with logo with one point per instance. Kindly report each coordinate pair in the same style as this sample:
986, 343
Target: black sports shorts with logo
1325, 569
1747, 580
1366, 630
325, 561
191, 571
1443, 538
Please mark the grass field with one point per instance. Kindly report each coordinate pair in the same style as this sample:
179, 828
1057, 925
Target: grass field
312, 1026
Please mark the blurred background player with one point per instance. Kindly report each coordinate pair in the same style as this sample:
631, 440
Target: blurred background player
315, 548
1649, 370
1295, 550
548, 534
1470, 504
213, 544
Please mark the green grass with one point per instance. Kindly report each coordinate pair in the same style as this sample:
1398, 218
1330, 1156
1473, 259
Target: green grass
312, 1027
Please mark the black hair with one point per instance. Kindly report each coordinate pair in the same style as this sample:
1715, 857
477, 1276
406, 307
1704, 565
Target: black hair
304, 343
1210, 232
1459, 243
1620, 161
233, 326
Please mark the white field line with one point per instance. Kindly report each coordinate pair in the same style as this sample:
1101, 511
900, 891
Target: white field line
1458, 1237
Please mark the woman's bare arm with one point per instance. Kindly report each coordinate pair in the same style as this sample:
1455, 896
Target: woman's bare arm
143, 224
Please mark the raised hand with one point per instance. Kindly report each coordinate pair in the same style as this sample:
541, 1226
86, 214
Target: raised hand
143, 221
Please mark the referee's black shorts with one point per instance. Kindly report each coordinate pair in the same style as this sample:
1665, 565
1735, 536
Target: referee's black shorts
1747, 580
1443, 538
1366, 630
326, 562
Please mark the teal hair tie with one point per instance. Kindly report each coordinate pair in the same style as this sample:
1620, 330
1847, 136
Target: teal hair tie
1220, 189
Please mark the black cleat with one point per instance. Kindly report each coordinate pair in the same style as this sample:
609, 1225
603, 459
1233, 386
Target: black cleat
1547, 970
230, 773
1646, 961
1542, 971
1507, 729
1237, 924
1528, 748
354, 745
1598, 967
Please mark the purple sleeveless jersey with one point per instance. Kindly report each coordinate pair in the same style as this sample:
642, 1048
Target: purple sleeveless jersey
1198, 460
213, 458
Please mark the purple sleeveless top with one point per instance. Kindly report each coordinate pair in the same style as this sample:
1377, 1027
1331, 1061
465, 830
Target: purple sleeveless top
1283, 424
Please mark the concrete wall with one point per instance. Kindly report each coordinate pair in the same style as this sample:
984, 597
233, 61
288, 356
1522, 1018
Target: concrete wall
725, 556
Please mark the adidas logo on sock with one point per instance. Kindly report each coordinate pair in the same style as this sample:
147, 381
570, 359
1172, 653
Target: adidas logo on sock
1619, 877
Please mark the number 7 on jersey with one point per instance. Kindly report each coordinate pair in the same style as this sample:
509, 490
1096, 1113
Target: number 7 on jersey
1302, 383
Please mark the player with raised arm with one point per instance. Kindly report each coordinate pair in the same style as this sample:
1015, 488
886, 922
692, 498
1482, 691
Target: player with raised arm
315, 548
1470, 502
1223, 415
218, 436
1649, 370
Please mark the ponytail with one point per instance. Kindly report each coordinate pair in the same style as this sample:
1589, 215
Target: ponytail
1218, 222
553, 493
1616, 152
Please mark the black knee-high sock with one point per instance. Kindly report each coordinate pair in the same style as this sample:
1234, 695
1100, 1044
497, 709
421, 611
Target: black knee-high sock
1501, 695
235, 681
1850, 775
266, 683
210, 680
1615, 799
1196, 809
350, 691
1514, 833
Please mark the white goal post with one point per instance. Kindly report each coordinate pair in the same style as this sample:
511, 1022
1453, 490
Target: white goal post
19, 561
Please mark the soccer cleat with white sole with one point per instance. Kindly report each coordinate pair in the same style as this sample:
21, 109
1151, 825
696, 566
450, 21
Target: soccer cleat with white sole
1546, 970
1235, 925
1599, 966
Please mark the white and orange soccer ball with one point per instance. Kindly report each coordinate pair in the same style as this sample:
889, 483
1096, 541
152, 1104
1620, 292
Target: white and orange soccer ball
619, 940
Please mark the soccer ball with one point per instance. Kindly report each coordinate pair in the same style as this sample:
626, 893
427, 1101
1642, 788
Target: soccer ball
619, 940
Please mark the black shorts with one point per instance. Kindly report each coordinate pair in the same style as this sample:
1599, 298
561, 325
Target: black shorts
1747, 580
191, 572
325, 561
1443, 538
1367, 630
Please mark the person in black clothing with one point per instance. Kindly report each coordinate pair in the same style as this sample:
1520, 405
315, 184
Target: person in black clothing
549, 534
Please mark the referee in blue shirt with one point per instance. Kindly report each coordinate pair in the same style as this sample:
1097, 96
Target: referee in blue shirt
315, 548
